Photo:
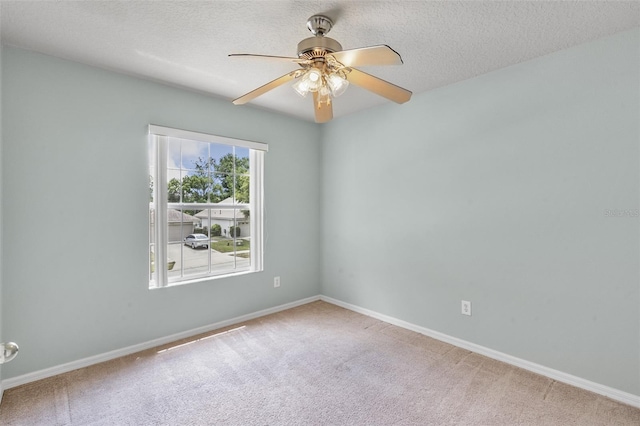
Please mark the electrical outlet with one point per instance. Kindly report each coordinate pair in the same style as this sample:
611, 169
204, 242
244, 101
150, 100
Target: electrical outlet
466, 308
276, 282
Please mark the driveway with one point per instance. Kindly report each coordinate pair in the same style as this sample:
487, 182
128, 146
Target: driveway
196, 261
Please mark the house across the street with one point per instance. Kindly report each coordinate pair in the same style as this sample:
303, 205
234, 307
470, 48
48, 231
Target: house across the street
180, 224
225, 217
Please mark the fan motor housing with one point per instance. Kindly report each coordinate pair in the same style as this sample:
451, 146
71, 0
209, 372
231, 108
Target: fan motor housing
314, 47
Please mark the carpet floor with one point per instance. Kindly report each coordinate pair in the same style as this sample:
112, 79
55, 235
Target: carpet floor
317, 364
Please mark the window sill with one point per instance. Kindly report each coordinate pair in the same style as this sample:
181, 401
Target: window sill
207, 278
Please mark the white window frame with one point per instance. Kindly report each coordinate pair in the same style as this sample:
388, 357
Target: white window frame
159, 137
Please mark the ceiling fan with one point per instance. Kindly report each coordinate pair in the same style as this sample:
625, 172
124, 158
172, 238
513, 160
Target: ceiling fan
326, 70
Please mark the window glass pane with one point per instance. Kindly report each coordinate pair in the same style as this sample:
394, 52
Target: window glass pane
174, 160
242, 160
201, 226
194, 155
229, 248
152, 186
195, 255
152, 223
152, 264
222, 187
174, 261
174, 177
197, 186
242, 189
174, 189
242, 239
222, 156
179, 224
224, 169
242, 167
152, 196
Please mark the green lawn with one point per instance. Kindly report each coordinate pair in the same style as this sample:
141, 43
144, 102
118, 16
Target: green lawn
226, 246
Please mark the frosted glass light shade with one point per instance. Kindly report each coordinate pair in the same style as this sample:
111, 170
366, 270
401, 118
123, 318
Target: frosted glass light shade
311, 81
301, 86
8, 351
337, 84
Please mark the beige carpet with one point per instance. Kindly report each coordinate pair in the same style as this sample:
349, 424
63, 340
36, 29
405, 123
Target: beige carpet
317, 364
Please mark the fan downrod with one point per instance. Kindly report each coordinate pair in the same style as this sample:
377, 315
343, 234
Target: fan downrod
319, 25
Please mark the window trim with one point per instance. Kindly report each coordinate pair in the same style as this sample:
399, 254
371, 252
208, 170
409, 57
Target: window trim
256, 204
154, 129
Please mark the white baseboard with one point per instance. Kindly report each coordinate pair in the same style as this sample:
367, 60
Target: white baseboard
85, 362
615, 394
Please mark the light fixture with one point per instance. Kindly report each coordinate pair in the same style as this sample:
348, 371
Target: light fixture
328, 84
8, 351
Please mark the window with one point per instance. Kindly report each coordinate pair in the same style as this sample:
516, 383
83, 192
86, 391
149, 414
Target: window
205, 206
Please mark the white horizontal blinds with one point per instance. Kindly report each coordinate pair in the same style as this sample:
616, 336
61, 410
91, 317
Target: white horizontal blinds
205, 137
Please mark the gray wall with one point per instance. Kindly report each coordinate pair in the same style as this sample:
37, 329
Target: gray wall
75, 155
501, 183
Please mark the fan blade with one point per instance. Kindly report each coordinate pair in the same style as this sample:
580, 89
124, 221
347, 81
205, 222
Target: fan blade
264, 89
281, 58
378, 86
324, 112
374, 55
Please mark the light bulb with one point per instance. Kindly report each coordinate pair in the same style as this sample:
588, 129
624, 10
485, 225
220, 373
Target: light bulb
324, 91
314, 77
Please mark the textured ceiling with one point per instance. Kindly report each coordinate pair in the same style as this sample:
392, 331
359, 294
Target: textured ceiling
186, 43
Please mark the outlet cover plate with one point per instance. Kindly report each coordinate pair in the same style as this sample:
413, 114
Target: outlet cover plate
466, 307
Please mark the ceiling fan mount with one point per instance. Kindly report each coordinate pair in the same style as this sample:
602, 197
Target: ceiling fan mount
319, 25
327, 69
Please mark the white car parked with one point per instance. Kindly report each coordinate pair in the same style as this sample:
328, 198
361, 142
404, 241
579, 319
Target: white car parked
197, 240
